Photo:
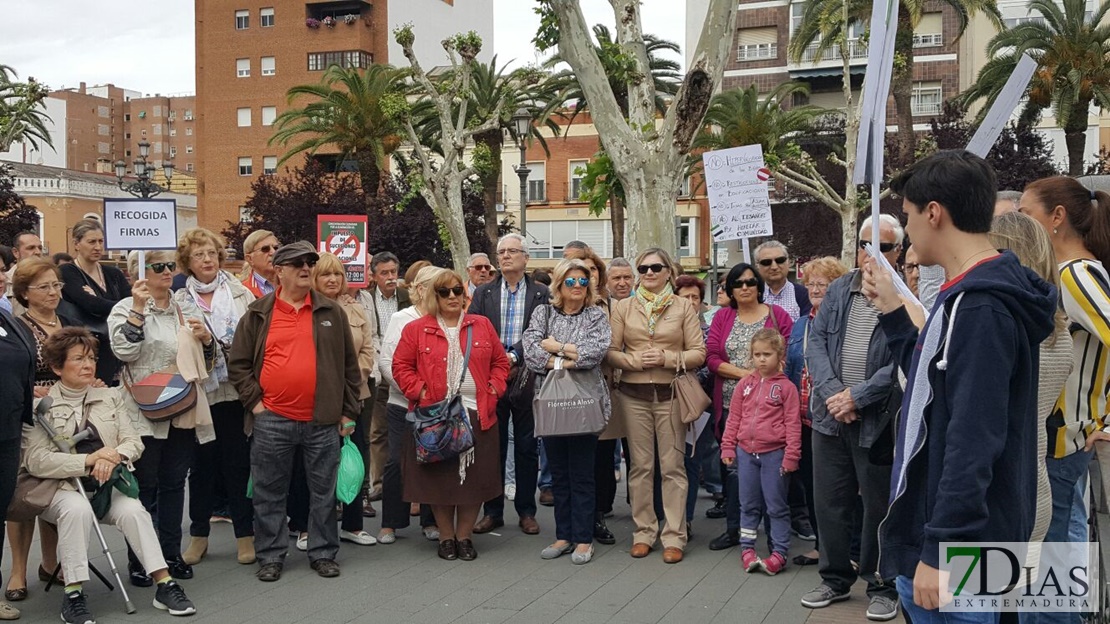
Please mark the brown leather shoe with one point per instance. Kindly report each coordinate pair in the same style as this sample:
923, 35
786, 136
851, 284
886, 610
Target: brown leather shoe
529, 525
547, 497
640, 550
672, 554
487, 524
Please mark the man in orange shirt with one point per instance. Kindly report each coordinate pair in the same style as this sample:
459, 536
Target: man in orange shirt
296, 369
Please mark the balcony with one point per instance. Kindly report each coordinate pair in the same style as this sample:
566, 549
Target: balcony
757, 52
335, 12
856, 51
925, 108
935, 40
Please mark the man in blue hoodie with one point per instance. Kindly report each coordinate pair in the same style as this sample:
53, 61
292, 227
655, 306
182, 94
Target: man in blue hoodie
966, 453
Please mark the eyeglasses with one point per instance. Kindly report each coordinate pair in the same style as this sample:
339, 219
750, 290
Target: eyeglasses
300, 263
267, 248
817, 286
767, 261
654, 268
160, 267
204, 255
883, 247
82, 358
509, 252
749, 283
45, 288
911, 266
571, 282
481, 267
445, 293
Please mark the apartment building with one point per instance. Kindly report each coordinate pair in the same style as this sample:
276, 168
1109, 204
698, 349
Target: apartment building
249, 53
556, 214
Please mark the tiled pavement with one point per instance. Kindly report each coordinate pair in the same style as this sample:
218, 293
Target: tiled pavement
406, 582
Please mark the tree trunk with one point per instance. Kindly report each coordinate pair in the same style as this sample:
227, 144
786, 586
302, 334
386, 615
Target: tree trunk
490, 183
849, 218
369, 176
1076, 141
650, 193
902, 87
616, 220
448, 207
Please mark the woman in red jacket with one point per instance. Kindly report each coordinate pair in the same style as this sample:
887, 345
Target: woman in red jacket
427, 366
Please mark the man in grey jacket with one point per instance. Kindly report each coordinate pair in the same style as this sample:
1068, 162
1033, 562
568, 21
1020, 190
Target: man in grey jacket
855, 392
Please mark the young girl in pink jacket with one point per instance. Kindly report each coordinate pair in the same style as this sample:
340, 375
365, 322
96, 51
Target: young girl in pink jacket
763, 437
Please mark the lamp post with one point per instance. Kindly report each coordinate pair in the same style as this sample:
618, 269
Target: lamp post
143, 186
522, 123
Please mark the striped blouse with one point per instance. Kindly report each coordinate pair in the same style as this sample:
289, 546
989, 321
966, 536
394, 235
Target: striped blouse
1081, 408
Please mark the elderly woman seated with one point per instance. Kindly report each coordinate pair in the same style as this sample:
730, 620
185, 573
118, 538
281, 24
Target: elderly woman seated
71, 353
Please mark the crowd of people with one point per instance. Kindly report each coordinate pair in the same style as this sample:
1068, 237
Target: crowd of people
840, 411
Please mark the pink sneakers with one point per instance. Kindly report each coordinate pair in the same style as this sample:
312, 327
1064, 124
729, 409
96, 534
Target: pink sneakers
749, 560
774, 564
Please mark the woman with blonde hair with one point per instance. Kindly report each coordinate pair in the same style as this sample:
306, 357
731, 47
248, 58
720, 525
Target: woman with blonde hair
220, 300
428, 366
1030, 243
572, 332
395, 509
655, 336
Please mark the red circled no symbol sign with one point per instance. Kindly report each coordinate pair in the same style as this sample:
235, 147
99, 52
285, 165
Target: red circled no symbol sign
347, 249
763, 174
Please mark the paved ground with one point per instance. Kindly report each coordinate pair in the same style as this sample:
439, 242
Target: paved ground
406, 582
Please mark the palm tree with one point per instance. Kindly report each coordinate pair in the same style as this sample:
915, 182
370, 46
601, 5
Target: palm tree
742, 117
666, 75
526, 87
22, 111
822, 22
347, 115
1072, 50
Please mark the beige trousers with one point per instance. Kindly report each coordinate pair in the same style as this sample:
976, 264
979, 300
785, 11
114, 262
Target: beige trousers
73, 515
648, 426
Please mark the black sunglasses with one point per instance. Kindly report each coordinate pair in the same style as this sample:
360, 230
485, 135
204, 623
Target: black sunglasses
654, 268
444, 293
883, 247
767, 261
268, 248
298, 263
159, 267
750, 283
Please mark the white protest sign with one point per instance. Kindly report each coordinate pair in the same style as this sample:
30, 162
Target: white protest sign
140, 224
1004, 106
736, 183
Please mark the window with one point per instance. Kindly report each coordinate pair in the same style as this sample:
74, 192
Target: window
686, 235
546, 238
537, 178
173, 151
102, 111
127, 116
246, 167
319, 61
242, 19
189, 167
684, 188
266, 17
244, 116
796, 11
269, 114
188, 114
127, 135
926, 99
173, 132
757, 44
188, 132
157, 111
156, 128
929, 31
188, 149
244, 214
102, 130
269, 67
577, 172
243, 68
156, 147
269, 165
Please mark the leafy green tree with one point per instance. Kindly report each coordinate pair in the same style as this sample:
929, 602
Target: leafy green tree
346, 111
22, 111
1072, 50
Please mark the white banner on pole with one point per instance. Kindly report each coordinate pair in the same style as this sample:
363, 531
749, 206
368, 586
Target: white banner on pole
1003, 108
876, 90
140, 224
736, 184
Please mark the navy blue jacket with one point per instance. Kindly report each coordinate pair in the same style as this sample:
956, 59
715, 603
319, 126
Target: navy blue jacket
971, 475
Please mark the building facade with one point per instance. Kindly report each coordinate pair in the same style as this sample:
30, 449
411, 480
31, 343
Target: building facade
251, 52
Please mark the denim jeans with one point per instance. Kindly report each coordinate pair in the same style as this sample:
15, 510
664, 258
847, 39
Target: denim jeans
299, 496
572, 470
276, 440
544, 482
763, 489
917, 615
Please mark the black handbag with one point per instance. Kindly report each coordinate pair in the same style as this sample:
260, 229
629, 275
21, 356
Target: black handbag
442, 430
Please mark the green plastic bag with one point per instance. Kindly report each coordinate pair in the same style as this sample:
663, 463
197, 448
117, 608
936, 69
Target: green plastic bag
351, 473
250, 487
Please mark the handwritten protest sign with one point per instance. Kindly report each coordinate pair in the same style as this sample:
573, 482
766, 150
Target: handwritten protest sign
140, 224
736, 183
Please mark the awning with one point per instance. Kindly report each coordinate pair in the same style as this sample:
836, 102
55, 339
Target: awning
823, 72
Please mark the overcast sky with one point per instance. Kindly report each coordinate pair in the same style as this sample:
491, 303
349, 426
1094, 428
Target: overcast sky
147, 45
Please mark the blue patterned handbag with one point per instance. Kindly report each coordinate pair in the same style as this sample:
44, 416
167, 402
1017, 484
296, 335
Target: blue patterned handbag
442, 431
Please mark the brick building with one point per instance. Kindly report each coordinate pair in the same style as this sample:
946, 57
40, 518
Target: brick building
556, 215
250, 52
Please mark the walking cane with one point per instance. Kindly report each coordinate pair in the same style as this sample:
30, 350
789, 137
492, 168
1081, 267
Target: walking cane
65, 444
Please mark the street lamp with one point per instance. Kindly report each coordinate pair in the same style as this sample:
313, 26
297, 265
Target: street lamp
143, 186
522, 123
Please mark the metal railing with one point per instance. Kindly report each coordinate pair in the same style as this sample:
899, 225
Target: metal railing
928, 41
757, 52
856, 51
924, 109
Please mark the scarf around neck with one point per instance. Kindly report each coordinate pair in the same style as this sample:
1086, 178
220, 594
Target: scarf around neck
655, 304
222, 319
